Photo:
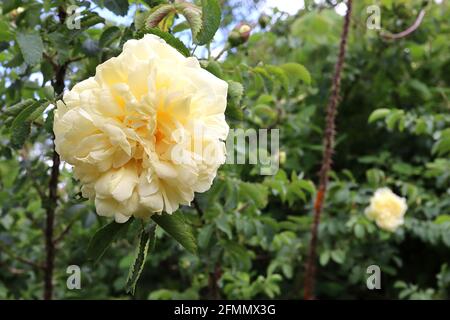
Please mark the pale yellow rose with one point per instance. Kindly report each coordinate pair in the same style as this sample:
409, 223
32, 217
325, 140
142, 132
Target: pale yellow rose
387, 209
131, 131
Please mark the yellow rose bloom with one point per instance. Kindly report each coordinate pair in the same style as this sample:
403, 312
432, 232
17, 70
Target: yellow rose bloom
387, 209
133, 131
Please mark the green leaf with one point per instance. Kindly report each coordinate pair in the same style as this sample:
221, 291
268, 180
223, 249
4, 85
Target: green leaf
109, 35
235, 90
359, 231
294, 191
443, 218
9, 5
213, 67
140, 18
278, 74
295, 72
338, 256
103, 238
49, 92
394, 117
170, 39
234, 96
324, 258
21, 126
210, 21
442, 146
5, 32
181, 27
47, 70
307, 186
223, 224
378, 114
32, 15
18, 107
374, 176
193, 15
119, 7
255, 192
49, 121
90, 19
204, 236
158, 14
176, 225
31, 46
147, 240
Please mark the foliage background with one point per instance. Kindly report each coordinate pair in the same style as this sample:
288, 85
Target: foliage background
252, 230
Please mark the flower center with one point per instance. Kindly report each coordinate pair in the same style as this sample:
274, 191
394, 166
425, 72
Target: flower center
163, 123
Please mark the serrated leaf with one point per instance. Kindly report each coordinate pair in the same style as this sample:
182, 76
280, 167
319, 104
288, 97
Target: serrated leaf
5, 32
213, 67
103, 238
235, 90
254, 192
158, 14
109, 35
18, 107
193, 16
170, 39
31, 46
140, 18
378, 114
90, 19
307, 186
147, 240
176, 225
278, 74
21, 126
49, 121
296, 71
234, 96
211, 15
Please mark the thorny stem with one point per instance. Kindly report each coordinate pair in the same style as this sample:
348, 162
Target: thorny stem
52, 202
329, 137
49, 226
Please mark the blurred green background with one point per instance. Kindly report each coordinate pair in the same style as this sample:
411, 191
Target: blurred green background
252, 230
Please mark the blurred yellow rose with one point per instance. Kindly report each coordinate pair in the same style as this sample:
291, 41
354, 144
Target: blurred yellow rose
387, 209
136, 132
